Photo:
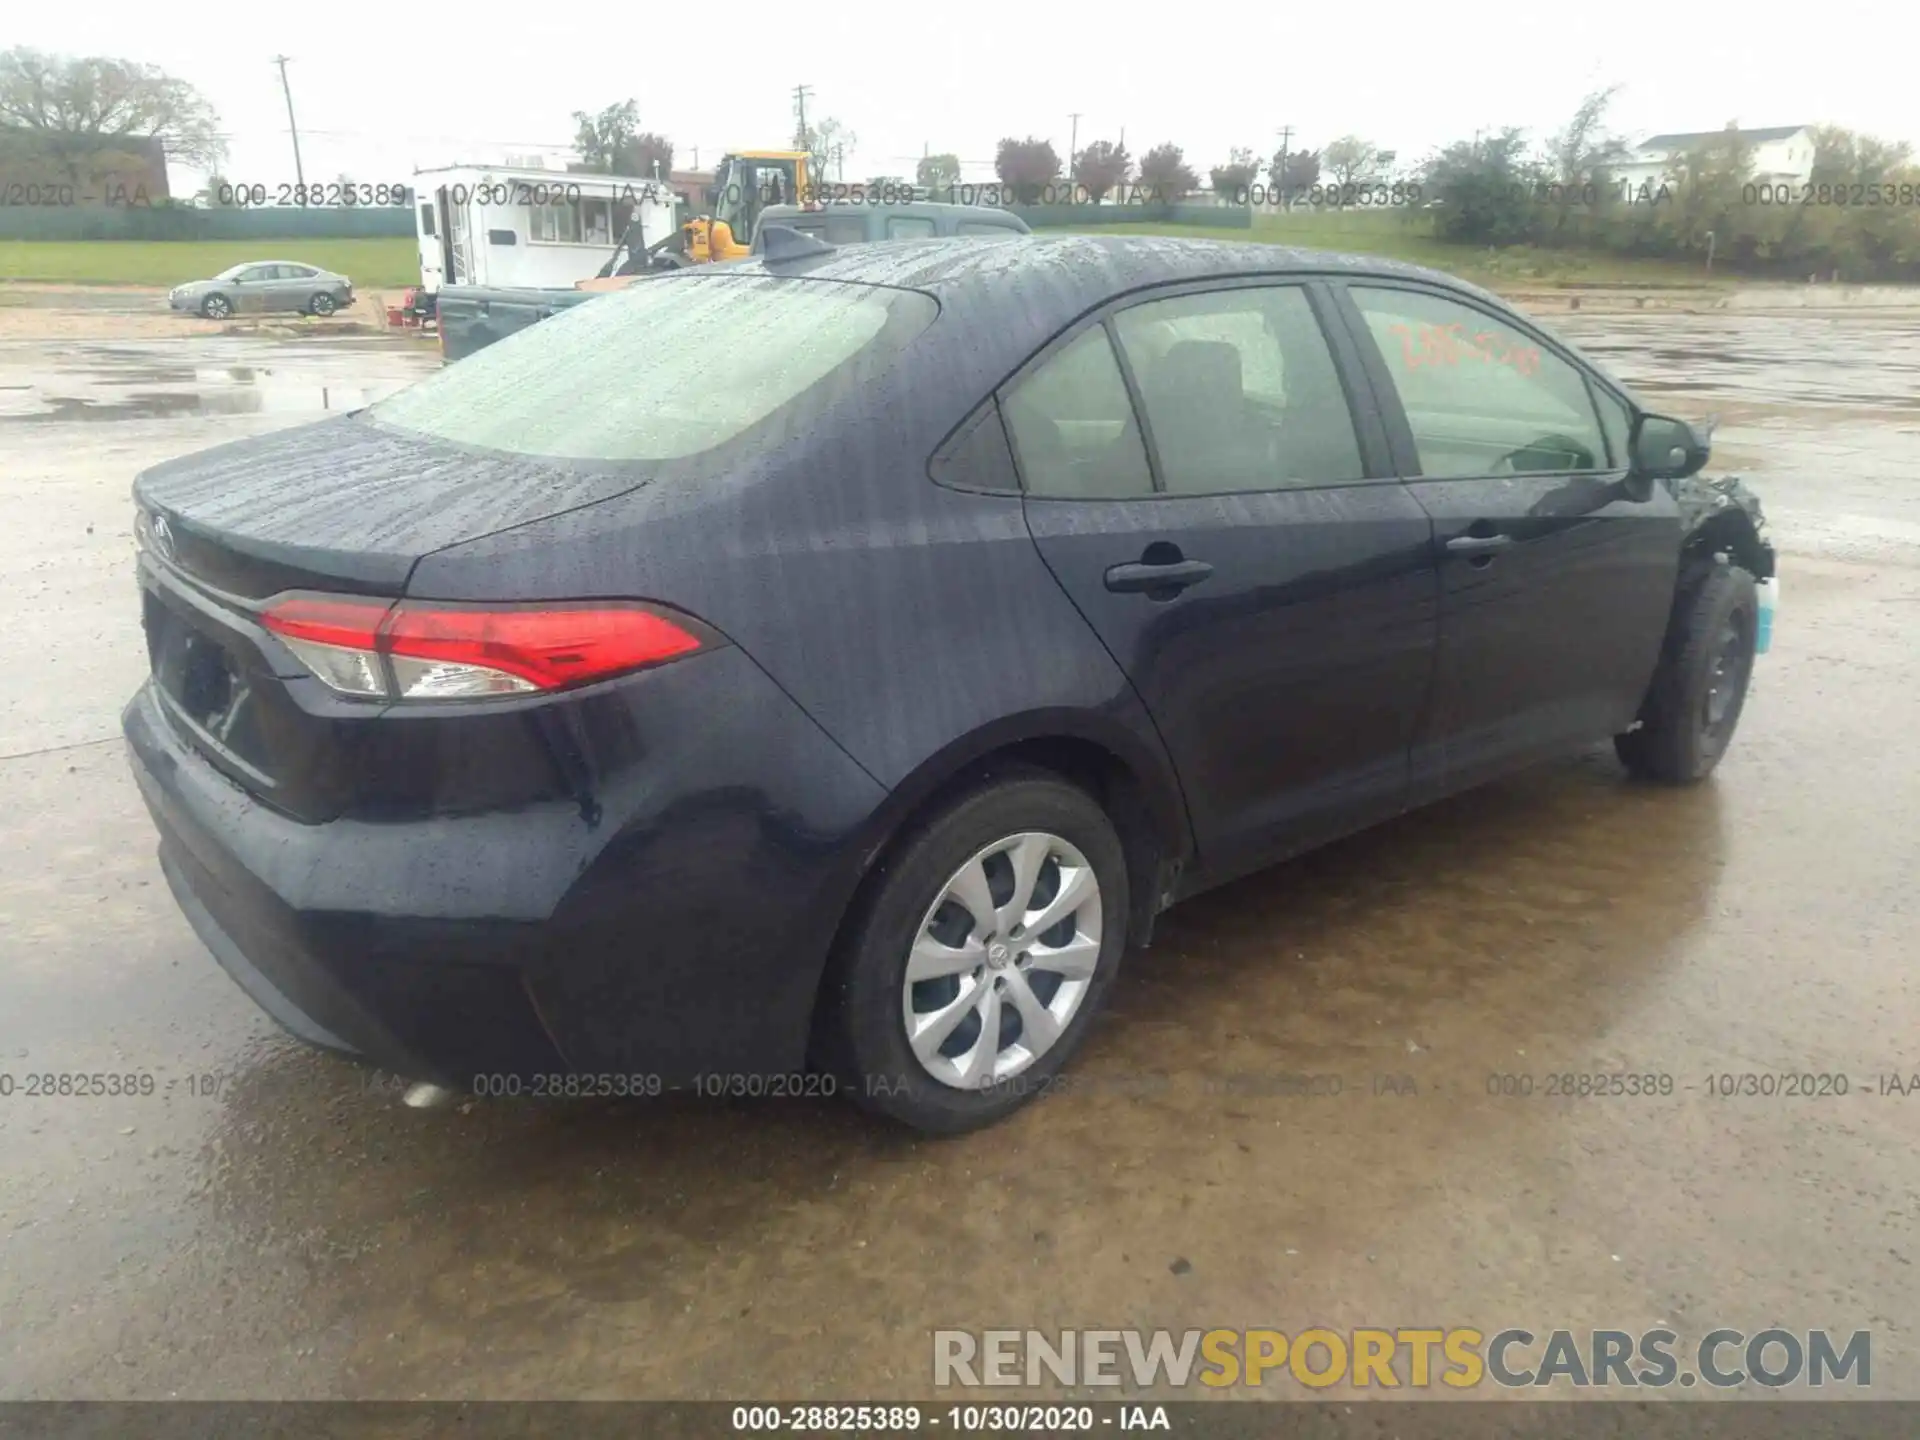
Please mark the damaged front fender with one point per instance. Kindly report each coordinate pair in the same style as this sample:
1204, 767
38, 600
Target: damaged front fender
1723, 516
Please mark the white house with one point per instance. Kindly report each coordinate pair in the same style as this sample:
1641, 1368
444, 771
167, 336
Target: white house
1782, 154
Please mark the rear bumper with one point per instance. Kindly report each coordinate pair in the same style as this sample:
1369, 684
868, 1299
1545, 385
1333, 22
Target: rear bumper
671, 924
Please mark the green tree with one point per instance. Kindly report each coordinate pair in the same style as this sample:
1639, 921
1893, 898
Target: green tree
1101, 166
1026, 167
1235, 178
1293, 171
611, 142
1482, 189
602, 137
1164, 170
211, 197
1707, 185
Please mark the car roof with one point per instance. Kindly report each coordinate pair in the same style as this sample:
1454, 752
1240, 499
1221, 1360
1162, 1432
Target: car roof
991, 214
1056, 277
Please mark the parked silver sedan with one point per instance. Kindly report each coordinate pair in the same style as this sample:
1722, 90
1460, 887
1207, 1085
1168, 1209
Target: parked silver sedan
259, 286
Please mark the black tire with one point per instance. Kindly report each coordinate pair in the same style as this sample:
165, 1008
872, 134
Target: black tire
1685, 726
216, 307
321, 305
863, 1036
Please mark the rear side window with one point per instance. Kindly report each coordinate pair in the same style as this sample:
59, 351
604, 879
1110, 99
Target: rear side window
426, 220
981, 227
846, 229
909, 227
610, 379
1073, 427
1240, 391
1482, 397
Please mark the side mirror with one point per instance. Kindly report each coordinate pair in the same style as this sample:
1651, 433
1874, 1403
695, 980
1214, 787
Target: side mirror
1662, 448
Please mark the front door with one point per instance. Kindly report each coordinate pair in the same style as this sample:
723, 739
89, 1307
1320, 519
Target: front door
253, 289
1269, 589
1555, 586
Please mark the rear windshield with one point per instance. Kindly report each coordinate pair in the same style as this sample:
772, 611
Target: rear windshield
666, 369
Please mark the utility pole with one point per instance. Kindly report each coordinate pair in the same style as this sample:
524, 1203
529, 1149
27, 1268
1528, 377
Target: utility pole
800, 93
1286, 138
839, 159
1073, 141
292, 129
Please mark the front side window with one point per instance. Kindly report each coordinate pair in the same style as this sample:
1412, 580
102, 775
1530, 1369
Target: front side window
1481, 397
557, 223
979, 227
609, 380
1240, 391
596, 222
1073, 427
1616, 421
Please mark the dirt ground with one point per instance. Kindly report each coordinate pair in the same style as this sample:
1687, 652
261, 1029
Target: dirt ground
269, 1222
132, 312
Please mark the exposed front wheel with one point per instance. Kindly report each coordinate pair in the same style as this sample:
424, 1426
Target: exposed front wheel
216, 307
980, 958
321, 304
1700, 687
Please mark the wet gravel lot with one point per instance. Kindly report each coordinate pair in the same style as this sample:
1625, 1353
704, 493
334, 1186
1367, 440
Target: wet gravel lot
270, 1222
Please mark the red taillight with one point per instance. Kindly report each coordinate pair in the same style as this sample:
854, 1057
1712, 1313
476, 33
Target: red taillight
411, 650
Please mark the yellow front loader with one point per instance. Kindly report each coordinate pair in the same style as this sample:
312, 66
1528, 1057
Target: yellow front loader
744, 185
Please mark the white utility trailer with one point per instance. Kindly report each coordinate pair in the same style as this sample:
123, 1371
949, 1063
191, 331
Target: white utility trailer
496, 225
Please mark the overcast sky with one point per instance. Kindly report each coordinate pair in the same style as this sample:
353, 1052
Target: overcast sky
380, 89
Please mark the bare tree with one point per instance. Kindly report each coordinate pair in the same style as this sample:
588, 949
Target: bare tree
1580, 161
827, 142
937, 172
1349, 160
66, 112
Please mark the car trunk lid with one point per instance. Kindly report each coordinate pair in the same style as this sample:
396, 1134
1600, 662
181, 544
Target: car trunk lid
347, 504
344, 506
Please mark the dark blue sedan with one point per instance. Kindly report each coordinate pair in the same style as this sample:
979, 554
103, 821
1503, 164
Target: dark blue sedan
814, 673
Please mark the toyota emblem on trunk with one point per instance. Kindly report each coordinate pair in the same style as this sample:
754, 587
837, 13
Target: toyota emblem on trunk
163, 537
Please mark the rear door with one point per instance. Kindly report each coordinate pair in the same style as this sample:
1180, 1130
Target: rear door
1555, 586
297, 285
1202, 483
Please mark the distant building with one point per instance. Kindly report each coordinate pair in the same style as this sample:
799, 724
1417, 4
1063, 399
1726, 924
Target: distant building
1782, 154
689, 187
85, 170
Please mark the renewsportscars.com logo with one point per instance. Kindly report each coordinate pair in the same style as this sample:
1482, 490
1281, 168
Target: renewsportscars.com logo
1461, 1358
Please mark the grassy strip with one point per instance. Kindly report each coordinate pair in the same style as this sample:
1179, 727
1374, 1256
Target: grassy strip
1402, 235
386, 262
393, 262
